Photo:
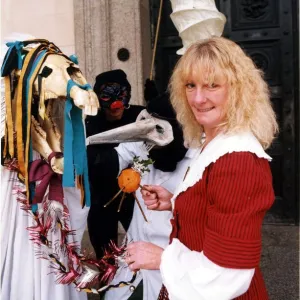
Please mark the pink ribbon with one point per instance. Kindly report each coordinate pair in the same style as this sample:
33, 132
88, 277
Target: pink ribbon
40, 170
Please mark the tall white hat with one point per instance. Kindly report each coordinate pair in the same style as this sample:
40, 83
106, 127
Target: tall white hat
196, 20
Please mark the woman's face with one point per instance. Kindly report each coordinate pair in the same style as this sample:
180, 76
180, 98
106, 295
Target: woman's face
207, 100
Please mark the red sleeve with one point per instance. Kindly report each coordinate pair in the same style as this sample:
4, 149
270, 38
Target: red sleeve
240, 192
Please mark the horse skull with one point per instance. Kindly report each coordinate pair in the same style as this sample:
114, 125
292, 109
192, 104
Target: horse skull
55, 83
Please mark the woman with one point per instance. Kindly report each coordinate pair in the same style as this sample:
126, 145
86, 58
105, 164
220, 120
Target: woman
218, 210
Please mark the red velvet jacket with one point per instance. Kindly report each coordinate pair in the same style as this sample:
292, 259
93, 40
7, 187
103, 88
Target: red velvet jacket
222, 215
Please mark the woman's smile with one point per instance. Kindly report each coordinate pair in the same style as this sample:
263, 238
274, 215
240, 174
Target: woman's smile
203, 110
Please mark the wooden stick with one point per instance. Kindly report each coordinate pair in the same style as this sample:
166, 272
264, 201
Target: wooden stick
121, 202
140, 207
142, 187
156, 38
111, 200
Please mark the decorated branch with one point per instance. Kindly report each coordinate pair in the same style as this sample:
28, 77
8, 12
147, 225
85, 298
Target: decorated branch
129, 181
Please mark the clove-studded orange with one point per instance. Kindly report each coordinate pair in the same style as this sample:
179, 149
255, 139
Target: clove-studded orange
129, 180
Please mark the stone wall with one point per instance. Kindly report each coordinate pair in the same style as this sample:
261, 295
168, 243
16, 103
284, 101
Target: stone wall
48, 19
102, 28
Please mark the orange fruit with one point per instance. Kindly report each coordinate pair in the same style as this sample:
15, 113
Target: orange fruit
129, 180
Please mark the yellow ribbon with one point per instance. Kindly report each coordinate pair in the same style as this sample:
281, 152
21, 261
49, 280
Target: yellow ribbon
19, 117
9, 121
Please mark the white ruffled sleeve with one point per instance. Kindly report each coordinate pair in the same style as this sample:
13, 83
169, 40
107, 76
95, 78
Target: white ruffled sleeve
190, 275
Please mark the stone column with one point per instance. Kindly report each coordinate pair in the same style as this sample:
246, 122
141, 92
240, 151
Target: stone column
92, 42
102, 28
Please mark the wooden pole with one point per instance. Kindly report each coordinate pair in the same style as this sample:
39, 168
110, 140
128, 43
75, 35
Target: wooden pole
140, 207
155, 40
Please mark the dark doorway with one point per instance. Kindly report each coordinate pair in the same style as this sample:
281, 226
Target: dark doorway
268, 31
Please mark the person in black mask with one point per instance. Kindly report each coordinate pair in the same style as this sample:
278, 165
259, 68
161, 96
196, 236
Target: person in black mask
114, 93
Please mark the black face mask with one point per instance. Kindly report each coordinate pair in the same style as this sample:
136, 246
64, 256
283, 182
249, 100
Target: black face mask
166, 158
113, 92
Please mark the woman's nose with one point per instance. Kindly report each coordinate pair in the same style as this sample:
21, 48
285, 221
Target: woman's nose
200, 96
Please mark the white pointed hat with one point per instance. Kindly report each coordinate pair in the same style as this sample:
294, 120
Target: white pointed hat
196, 20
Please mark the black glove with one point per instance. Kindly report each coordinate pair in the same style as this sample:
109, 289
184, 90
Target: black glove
150, 91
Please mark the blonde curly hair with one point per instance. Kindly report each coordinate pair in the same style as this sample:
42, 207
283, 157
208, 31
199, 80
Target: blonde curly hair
248, 107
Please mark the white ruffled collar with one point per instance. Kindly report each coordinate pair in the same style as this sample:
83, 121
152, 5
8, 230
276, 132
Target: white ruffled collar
218, 147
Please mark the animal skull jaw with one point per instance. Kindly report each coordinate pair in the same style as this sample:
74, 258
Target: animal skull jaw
85, 100
40, 144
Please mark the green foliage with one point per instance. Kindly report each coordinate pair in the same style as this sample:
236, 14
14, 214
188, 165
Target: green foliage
142, 164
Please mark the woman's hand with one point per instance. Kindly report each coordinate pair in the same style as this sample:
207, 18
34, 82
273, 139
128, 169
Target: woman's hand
143, 255
156, 197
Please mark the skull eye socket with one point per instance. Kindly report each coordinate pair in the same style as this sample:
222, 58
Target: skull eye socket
46, 72
142, 118
159, 129
72, 70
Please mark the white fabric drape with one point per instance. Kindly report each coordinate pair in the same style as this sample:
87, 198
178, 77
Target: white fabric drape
23, 275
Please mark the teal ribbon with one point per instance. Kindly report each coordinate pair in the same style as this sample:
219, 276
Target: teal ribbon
16, 46
74, 58
75, 157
